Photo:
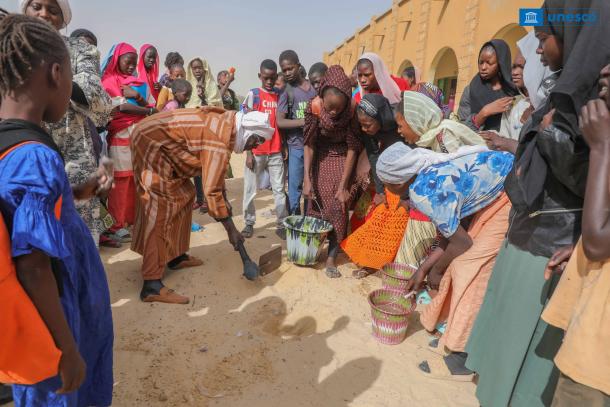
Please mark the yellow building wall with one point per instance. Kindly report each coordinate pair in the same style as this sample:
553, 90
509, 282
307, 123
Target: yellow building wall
424, 32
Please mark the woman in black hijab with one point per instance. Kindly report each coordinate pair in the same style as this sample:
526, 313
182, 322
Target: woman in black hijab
491, 91
510, 347
380, 131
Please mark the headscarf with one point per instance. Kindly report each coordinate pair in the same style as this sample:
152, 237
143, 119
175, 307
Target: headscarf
64, 5
81, 32
533, 72
585, 52
399, 162
149, 77
212, 95
251, 124
481, 92
335, 78
434, 93
388, 87
112, 77
378, 107
426, 120
578, 78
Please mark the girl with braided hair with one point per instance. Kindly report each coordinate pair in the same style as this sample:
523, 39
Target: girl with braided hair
55, 257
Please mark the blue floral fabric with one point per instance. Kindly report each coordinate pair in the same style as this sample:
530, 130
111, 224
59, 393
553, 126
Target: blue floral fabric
451, 191
32, 179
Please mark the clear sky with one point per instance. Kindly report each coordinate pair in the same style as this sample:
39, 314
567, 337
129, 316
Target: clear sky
226, 33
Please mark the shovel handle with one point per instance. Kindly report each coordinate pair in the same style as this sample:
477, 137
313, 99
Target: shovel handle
242, 252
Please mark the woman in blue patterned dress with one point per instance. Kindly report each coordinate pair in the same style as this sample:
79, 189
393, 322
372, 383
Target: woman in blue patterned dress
462, 194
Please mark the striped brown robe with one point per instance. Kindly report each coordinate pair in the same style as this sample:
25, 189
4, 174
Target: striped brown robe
168, 149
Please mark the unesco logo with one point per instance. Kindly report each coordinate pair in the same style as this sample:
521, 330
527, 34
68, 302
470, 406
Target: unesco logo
531, 17
536, 17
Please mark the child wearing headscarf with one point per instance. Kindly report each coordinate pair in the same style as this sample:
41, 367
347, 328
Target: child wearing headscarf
205, 90
331, 149
491, 92
205, 93
148, 69
133, 100
374, 77
375, 238
422, 123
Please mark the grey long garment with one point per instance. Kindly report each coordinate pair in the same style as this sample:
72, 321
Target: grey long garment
73, 135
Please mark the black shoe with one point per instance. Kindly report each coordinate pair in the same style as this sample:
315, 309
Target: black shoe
281, 233
248, 231
6, 394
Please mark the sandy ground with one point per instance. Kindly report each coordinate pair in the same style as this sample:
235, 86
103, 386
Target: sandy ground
294, 338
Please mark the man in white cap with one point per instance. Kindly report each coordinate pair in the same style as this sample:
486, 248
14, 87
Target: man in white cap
168, 149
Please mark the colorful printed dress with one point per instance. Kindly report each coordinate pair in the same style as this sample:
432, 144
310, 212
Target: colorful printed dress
453, 190
32, 181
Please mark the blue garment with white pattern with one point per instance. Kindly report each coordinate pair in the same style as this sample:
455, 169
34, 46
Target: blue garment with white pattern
451, 191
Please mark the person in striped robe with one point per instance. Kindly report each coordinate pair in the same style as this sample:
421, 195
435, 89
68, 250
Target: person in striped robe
168, 149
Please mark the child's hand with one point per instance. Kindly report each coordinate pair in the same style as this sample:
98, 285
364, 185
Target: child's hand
558, 262
308, 190
380, 199
129, 92
342, 196
547, 120
105, 177
404, 204
594, 122
493, 140
157, 86
72, 370
250, 163
499, 106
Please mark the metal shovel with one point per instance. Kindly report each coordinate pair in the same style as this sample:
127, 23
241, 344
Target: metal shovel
268, 262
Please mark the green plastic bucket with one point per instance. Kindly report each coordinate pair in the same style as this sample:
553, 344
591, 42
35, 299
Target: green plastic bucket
304, 238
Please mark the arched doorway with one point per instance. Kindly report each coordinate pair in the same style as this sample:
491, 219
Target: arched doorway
511, 34
444, 71
405, 64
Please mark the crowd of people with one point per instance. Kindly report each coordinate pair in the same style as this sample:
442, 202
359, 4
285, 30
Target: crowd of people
500, 209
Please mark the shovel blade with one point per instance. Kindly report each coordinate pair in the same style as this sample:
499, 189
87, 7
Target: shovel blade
270, 261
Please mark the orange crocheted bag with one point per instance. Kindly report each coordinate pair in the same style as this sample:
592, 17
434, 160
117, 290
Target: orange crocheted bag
376, 243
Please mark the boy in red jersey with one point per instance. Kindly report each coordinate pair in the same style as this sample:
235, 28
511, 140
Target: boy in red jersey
267, 157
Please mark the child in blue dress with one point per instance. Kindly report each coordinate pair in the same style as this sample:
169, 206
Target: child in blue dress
55, 256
